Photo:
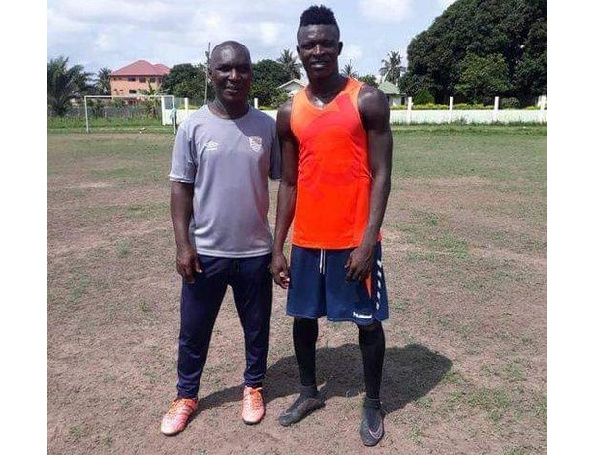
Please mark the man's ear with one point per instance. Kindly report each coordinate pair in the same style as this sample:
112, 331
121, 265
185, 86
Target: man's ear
340, 47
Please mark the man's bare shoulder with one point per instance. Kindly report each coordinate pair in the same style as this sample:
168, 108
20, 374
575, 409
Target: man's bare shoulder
284, 115
372, 97
285, 108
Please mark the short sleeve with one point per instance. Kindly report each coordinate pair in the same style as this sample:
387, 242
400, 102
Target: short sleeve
183, 164
275, 166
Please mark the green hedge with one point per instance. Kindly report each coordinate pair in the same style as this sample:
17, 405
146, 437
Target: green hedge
456, 107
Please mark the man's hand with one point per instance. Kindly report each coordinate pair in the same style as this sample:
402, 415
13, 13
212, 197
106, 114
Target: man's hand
279, 270
360, 263
187, 262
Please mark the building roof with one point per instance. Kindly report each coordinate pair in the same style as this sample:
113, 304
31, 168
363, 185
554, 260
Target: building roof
292, 82
388, 88
142, 68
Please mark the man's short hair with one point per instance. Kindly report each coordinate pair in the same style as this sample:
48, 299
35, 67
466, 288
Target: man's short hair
318, 15
233, 44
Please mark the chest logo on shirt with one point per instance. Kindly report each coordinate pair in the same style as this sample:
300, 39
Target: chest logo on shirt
255, 143
211, 146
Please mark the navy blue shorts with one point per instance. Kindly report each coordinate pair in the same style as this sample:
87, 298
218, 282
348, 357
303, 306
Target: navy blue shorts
318, 287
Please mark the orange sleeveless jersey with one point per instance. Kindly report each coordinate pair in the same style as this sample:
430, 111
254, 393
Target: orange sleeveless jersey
334, 180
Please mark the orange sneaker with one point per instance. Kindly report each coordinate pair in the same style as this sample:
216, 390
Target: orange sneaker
178, 415
253, 406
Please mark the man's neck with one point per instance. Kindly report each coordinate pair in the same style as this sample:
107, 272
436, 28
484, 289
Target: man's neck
322, 91
228, 111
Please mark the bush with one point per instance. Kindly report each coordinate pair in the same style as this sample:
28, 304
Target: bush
467, 107
430, 107
424, 97
509, 103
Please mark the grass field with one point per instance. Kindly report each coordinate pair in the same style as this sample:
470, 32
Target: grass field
465, 260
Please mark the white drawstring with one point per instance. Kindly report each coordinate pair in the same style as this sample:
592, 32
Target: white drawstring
322, 263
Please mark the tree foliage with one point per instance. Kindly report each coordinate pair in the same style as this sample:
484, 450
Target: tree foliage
64, 84
391, 67
187, 81
290, 63
102, 83
482, 77
349, 70
369, 79
512, 29
267, 75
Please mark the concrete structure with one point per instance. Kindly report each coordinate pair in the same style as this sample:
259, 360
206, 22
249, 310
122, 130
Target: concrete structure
395, 98
294, 86
137, 76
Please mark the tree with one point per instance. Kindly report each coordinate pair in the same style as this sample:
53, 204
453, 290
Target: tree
483, 77
349, 70
267, 75
151, 104
290, 64
186, 81
369, 79
64, 84
515, 29
391, 67
102, 84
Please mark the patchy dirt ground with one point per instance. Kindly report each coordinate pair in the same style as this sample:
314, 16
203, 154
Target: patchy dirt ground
465, 261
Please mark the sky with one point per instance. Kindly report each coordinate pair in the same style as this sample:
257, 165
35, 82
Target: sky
115, 33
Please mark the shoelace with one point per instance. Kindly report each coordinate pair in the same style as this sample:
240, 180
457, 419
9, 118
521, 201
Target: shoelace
255, 399
176, 406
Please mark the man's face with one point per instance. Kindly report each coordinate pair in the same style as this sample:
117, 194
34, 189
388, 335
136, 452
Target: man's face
318, 48
231, 74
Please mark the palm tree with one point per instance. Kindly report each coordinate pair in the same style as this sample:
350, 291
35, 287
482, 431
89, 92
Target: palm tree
392, 69
64, 84
290, 63
103, 81
151, 104
349, 70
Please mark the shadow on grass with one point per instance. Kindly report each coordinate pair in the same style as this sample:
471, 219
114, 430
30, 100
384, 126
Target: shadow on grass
409, 373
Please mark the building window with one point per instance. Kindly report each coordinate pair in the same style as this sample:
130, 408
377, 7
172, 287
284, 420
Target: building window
133, 92
151, 79
142, 79
131, 79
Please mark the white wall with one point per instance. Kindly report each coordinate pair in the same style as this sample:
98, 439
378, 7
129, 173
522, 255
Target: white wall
427, 116
472, 116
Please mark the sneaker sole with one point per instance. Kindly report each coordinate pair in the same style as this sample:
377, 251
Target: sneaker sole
248, 422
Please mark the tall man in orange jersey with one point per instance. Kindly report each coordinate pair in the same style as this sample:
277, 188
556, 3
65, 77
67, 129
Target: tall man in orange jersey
336, 165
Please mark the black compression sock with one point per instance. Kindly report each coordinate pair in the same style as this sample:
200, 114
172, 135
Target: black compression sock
372, 346
306, 332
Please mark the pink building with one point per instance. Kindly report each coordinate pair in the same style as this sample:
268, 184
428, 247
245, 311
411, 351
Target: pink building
134, 78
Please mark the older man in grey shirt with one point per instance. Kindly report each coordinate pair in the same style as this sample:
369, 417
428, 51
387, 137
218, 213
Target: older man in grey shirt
222, 158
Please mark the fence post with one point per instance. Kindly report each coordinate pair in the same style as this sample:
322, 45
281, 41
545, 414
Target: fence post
163, 107
87, 125
409, 110
255, 103
450, 110
186, 104
496, 106
542, 107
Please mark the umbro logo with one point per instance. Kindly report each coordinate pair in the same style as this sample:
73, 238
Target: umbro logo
211, 146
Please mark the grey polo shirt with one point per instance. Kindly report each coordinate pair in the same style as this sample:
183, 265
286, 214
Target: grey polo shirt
229, 163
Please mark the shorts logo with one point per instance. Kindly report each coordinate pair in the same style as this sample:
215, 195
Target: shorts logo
255, 143
361, 316
211, 146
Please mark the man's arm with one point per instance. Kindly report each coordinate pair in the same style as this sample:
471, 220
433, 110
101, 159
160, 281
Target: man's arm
375, 115
286, 196
182, 195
